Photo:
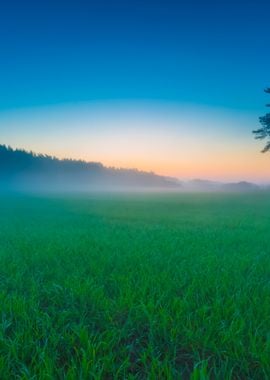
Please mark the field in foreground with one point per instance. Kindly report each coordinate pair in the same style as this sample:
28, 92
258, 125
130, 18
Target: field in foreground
135, 287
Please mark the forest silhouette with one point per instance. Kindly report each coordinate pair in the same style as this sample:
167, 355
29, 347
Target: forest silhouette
22, 170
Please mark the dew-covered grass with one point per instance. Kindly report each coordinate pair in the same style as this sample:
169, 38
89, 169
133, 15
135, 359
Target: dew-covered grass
139, 286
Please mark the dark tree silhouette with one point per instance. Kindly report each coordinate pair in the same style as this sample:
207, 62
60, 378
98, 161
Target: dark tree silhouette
264, 131
20, 169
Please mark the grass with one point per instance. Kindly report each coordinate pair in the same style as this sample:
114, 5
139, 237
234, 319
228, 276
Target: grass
135, 287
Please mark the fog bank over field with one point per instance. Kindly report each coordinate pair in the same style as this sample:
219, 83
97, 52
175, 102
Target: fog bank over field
27, 171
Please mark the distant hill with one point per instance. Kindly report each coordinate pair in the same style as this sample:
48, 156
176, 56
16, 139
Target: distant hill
205, 185
241, 186
27, 171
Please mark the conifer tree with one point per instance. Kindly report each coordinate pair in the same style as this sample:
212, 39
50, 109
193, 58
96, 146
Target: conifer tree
264, 131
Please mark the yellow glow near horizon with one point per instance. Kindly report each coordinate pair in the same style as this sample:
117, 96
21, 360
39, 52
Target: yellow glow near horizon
181, 141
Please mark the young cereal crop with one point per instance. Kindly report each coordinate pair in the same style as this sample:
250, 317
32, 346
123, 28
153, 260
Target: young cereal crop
135, 287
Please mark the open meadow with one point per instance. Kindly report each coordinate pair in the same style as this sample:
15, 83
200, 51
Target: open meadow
146, 286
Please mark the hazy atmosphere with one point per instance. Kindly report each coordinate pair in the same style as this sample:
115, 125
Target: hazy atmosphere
134, 190
180, 140
170, 87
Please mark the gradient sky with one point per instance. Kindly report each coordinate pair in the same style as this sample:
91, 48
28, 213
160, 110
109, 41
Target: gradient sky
170, 86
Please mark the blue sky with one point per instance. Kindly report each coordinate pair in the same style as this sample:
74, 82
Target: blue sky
206, 52
57, 57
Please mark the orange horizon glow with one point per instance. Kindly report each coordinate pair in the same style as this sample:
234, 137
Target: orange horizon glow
184, 142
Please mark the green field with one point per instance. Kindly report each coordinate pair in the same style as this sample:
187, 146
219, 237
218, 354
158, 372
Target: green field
135, 287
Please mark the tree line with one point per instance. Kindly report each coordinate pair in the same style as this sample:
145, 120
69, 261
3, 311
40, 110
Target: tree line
27, 170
